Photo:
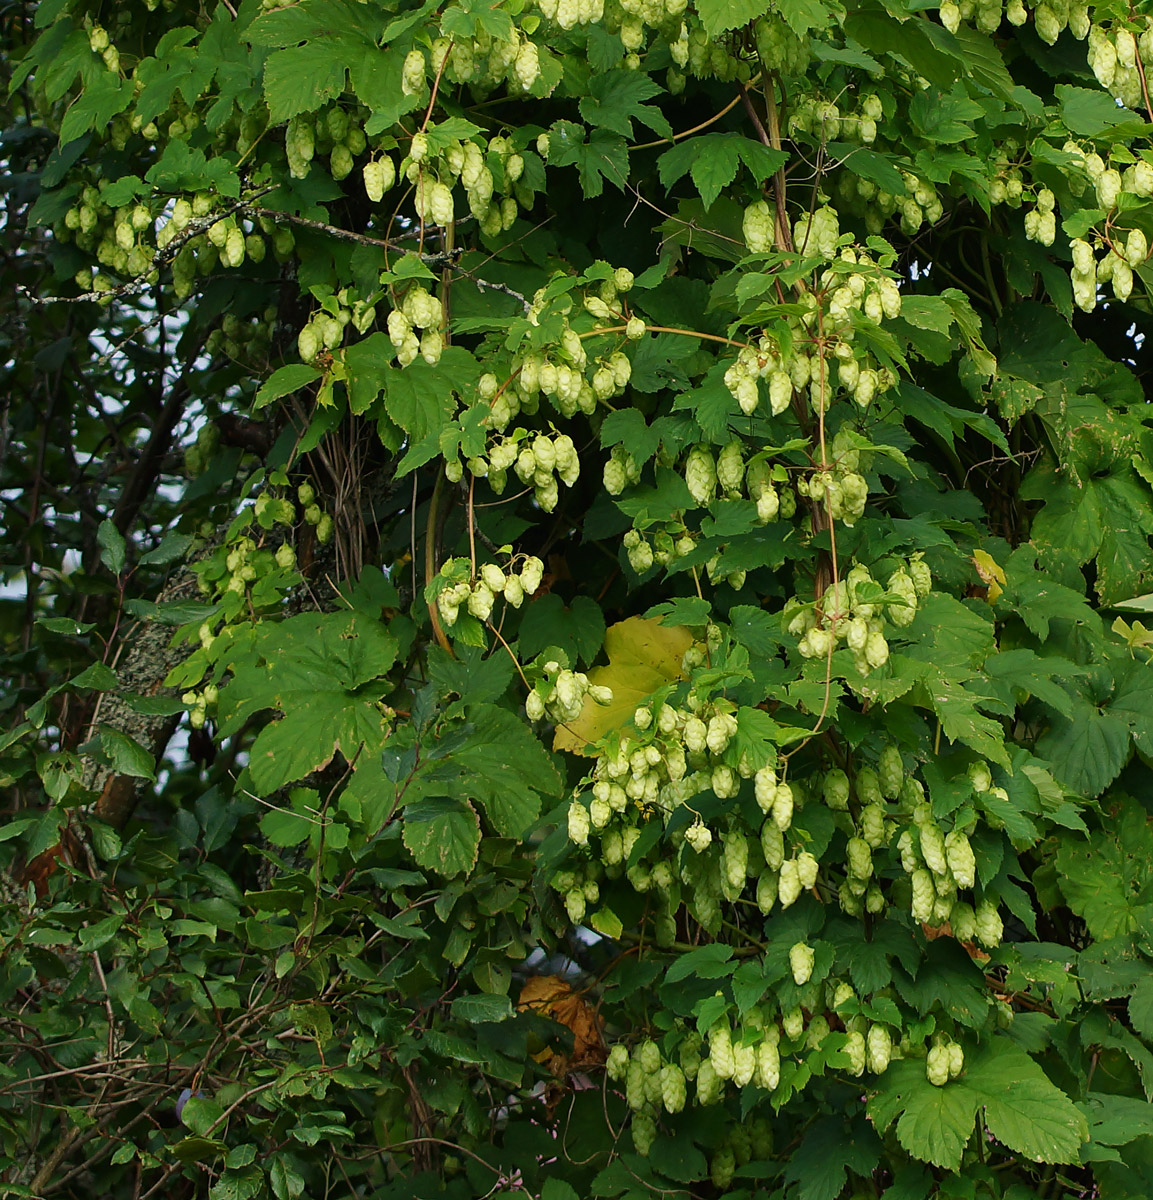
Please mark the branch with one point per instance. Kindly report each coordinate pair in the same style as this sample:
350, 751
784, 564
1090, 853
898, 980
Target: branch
433, 261
161, 258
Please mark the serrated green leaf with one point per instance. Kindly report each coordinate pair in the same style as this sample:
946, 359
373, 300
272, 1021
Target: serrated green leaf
934, 1123
97, 676
616, 99
301, 79
718, 16
1023, 1109
283, 382
1086, 750
709, 962
1089, 112
126, 756
106, 96
284, 827
829, 1149
1141, 1009
714, 159
578, 628
1105, 879
443, 836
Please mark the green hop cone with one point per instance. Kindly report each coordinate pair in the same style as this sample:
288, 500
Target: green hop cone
860, 859
783, 805
768, 1071
962, 861
579, 823
710, 1086
924, 895
650, 1057
872, 826
721, 1051
744, 1063
956, 1059
617, 1063
856, 1052
789, 886
772, 844
988, 925
644, 1133
793, 1023
937, 1066
836, 789
636, 1094
879, 1049
890, 772
723, 1167
765, 784
869, 787
933, 849
701, 474
801, 961
734, 861
672, 1088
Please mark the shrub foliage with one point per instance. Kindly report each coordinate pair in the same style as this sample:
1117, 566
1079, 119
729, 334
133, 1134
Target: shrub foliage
574, 577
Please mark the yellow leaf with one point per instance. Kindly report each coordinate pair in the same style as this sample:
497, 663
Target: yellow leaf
1135, 635
644, 655
990, 573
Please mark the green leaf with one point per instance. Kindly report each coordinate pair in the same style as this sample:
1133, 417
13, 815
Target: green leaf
1116, 1120
607, 923
1141, 1009
868, 164
112, 546
97, 676
718, 16
628, 426
283, 382
604, 156
1086, 750
185, 168
578, 628
803, 15
482, 1008
1023, 1109
319, 723
105, 841
303, 78
707, 962
172, 546
935, 1123
504, 767
1106, 879
65, 625
420, 397
616, 98
126, 756
198, 1149
1023, 671
557, 1189
944, 118
443, 835
283, 827
714, 159
829, 1149
106, 96
1089, 112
